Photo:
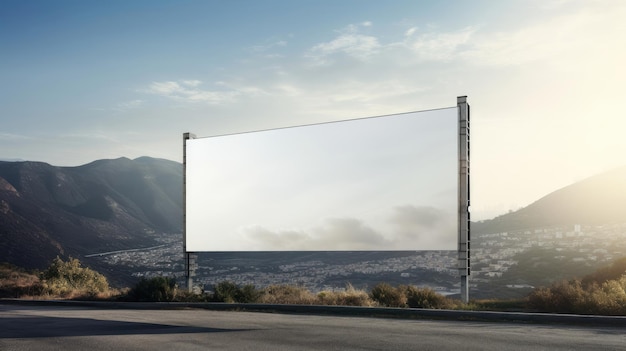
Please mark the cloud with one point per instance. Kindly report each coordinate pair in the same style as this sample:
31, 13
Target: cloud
13, 137
129, 105
189, 91
268, 46
356, 71
413, 227
350, 43
423, 224
191, 83
576, 35
336, 234
439, 46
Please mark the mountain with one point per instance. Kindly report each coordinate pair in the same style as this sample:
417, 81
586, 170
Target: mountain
111, 205
72, 211
600, 199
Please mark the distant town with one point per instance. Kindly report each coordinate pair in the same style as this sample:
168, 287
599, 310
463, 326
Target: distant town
494, 257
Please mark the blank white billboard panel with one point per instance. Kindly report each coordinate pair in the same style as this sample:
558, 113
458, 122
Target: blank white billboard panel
379, 183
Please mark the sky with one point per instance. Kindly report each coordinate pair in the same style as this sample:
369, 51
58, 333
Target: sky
87, 80
383, 183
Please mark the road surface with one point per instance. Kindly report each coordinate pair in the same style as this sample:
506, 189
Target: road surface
91, 328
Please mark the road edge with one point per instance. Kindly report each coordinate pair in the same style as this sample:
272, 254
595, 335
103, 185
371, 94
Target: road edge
346, 311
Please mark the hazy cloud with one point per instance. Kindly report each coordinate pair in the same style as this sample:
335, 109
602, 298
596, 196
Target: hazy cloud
574, 36
13, 137
128, 105
413, 227
422, 224
336, 233
268, 46
350, 42
191, 83
188, 90
436, 46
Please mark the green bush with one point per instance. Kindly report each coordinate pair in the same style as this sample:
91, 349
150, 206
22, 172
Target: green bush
158, 289
70, 279
249, 294
225, 292
230, 292
388, 296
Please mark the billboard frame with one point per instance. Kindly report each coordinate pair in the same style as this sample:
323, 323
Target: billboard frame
464, 196
463, 226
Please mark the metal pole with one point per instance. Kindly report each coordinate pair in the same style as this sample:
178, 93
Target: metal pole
464, 196
186, 255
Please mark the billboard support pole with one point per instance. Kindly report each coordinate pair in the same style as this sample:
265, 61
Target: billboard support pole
188, 257
464, 196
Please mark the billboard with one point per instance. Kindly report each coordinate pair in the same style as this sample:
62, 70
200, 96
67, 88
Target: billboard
369, 184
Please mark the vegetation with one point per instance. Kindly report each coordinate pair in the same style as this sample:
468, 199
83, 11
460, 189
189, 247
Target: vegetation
409, 296
601, 292
16, 282
70, 279
62, 279
388, 296
230, 292
158, 289
287, 294
347, 297
425, 298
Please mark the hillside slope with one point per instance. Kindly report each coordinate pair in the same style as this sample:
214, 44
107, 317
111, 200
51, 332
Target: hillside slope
101, 206
600, 199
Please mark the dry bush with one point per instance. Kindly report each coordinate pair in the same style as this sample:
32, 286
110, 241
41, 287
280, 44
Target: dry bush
71, 280
609, 298
17, 283
612, 272
388, 296
287, 295
508, 305
347, 297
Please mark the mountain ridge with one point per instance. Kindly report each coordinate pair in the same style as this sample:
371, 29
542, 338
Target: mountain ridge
118, 204
100, 206
598, 199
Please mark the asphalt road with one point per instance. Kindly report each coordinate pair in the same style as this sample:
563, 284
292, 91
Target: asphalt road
91, 328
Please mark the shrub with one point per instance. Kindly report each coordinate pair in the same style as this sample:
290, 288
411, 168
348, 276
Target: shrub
613, 272
16, 282
249, 294
227, 291
563, 297
609, 298
154, 289
70, 279
425, 298
348, 297
388, 296
287, 294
